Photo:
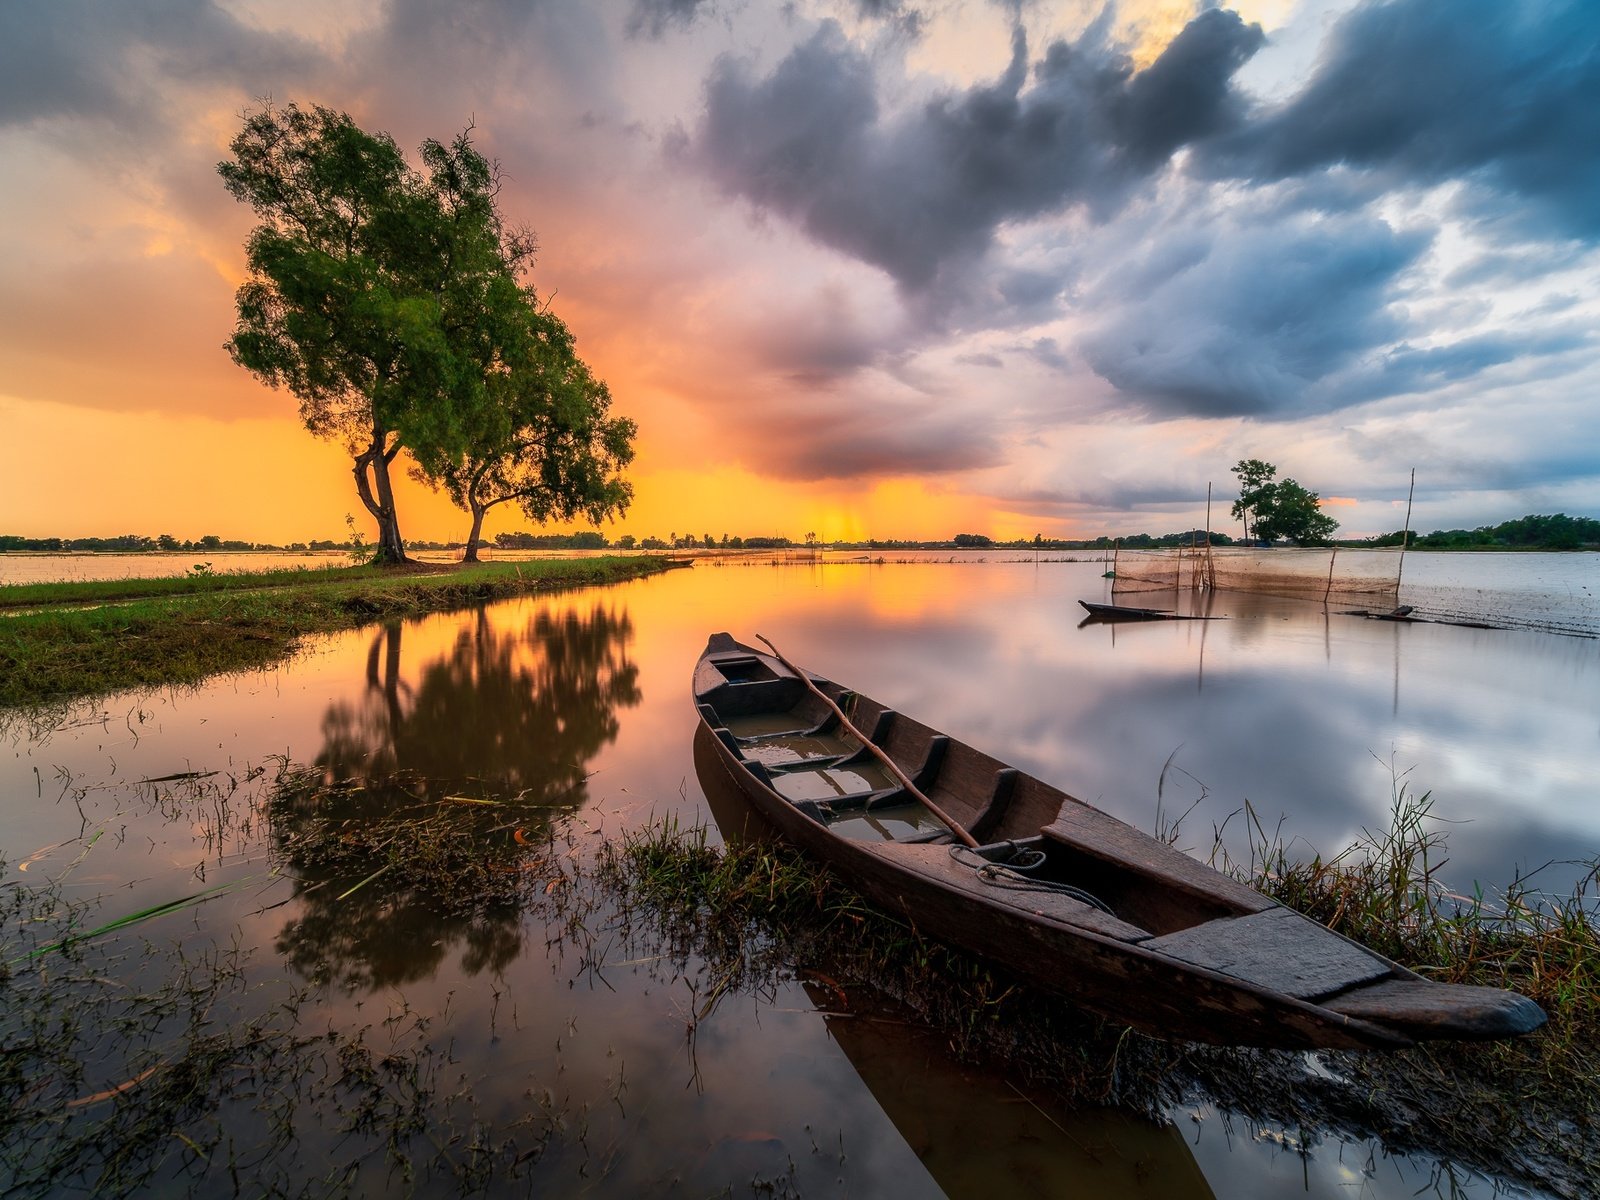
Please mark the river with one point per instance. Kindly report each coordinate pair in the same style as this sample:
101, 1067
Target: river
581, 703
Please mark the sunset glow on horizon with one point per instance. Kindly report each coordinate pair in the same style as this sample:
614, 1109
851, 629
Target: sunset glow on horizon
860, 269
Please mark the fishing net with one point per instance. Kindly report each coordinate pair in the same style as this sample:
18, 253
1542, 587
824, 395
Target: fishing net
1301, 574
1559, 593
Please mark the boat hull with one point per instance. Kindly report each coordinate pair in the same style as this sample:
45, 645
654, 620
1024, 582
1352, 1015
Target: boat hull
1165, 974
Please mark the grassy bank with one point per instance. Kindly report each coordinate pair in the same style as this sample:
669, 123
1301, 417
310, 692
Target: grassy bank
68, 641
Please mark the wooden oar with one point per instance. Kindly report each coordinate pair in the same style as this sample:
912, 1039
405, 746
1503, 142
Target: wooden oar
882, 756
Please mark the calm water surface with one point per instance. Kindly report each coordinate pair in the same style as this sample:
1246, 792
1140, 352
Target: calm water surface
1552, 592
581, 702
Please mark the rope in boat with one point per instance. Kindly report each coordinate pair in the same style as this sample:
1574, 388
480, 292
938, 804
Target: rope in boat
1012, 876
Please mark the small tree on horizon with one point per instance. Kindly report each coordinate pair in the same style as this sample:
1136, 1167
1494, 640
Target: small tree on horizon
1275, 509
1255, 483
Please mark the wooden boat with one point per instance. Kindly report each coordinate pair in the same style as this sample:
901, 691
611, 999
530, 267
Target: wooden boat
1402, 613
1119, 922
1123, 612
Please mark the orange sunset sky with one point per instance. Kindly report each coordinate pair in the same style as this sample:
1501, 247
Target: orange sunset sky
860, 267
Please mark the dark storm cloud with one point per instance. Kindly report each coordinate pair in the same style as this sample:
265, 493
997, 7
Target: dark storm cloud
1254, 322
816, 434
1297, 308
1503, 95
1187, 93
76, 58
1407, 369
1104, 494
652, 18
913, 192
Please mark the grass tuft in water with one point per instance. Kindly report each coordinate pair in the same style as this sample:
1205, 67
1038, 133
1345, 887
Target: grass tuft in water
1386, 891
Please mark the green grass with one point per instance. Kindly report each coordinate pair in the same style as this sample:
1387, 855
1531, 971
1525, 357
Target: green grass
103, 591
69, 641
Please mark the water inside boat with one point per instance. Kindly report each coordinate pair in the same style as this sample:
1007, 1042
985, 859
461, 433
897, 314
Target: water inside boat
886, 823
835, 792
764, 725
786, 750
854, 781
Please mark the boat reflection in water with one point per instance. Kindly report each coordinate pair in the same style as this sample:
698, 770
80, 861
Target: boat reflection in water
978, 1133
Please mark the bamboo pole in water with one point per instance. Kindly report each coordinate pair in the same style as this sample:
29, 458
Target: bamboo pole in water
1405, 536
882, 755
1211, 565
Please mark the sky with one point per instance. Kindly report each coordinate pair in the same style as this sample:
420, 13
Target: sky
863, 268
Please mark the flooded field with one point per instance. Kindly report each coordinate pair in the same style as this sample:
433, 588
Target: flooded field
220, 855
1551, 592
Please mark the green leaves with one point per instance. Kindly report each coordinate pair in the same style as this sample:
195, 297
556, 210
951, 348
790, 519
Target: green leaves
388, 301
1287, 510
1276, 510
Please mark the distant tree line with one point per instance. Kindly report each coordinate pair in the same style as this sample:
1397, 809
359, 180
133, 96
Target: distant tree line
1554, 532
136, 543
978, 541
551, 541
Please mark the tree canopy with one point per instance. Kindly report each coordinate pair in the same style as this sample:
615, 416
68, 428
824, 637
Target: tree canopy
541, 435
1555, 531
1255, 476
1275, 509
388, 300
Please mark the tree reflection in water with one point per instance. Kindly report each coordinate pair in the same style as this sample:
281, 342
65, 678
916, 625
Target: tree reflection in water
424, 821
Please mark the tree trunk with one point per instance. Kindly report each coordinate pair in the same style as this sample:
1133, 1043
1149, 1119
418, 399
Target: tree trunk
471, 554
377, 495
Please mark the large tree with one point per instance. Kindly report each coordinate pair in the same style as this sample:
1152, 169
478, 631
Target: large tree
368, 285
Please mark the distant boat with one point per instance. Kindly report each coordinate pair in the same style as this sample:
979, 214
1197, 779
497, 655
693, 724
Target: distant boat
978, 854
1122, 612
1401, 613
